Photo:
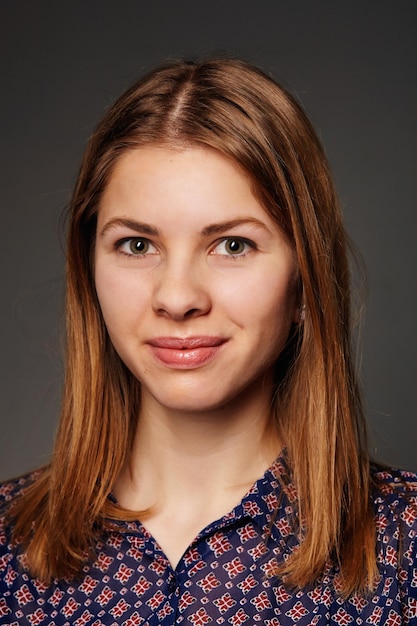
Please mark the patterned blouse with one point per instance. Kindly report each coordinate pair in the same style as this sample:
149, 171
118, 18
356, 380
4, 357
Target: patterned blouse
222, 578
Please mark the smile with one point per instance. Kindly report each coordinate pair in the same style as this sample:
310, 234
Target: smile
186, 353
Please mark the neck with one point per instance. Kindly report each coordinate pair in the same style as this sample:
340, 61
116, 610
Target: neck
197, 456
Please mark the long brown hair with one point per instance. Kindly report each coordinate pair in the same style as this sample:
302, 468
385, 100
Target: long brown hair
237, 109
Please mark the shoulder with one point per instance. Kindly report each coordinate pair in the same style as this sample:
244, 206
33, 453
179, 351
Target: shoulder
13, 489
394, 495
394, 492
395, 507
10, 492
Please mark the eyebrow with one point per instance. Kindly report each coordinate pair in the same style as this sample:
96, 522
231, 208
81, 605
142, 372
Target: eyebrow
211, 229
139, 227
221, 227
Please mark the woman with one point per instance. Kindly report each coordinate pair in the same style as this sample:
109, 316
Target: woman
211, 461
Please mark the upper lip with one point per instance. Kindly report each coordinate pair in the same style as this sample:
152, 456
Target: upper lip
186, 343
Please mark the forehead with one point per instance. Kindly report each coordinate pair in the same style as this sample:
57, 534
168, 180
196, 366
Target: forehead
151, 160
160, 178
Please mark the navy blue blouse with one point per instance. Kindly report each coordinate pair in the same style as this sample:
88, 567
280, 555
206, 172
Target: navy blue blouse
223, 577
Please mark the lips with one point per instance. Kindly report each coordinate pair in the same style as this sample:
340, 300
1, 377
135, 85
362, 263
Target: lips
186, 352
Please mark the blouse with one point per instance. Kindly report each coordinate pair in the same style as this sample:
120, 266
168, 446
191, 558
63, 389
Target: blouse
224, 576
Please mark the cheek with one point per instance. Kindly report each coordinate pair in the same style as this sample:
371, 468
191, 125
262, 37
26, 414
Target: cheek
270, 300
107, 293
120, 297
267, 312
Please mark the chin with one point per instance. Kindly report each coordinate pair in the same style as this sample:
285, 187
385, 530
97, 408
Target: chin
193, 405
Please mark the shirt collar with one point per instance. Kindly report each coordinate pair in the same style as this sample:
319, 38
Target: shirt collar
269, 499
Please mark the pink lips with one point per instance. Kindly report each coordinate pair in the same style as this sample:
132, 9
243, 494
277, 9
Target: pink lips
185, 353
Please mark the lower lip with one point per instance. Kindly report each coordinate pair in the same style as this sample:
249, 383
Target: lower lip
186, 359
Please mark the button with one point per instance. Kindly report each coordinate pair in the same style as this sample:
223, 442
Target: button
172, 583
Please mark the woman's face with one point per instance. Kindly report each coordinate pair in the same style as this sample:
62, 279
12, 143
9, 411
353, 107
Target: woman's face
196, 283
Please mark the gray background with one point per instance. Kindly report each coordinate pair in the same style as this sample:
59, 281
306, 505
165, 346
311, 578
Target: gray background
352, 65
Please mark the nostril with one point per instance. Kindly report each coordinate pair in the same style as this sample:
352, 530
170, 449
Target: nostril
179, 294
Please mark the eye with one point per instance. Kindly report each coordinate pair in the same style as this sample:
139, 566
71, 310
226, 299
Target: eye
135, 246
234, 246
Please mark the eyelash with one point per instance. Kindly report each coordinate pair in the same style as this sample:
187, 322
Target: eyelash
127, 240
249, 246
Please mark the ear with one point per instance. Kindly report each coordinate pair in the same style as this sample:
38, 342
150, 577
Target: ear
299, 314
300, 308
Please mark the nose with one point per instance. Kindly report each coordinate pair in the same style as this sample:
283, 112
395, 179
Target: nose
180, 290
